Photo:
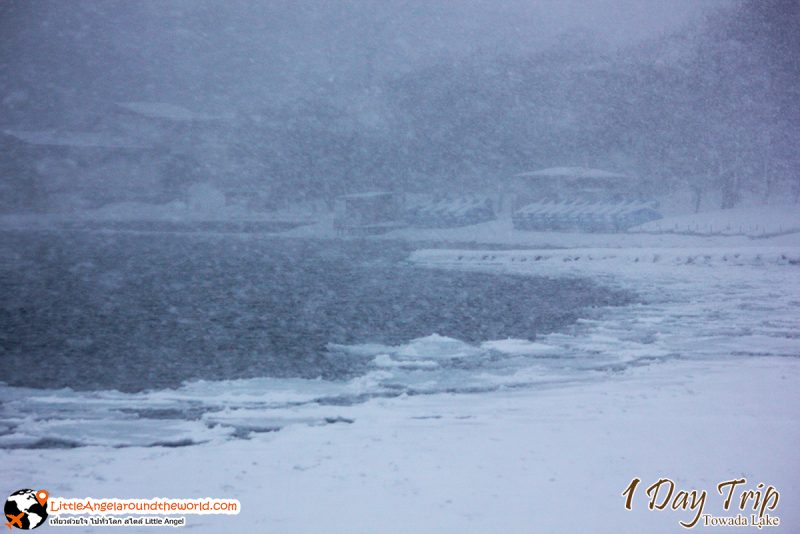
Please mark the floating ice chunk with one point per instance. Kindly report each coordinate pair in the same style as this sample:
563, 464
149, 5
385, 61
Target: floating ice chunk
432, 347
119, 433
519, 347
384, 360
18, 440
259, 420
437, 347
361, 349
262, 390
370, 383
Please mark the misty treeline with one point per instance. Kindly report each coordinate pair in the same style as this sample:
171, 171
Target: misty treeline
711, 109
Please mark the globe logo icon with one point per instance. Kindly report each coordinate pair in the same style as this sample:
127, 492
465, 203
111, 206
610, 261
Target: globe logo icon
26, 509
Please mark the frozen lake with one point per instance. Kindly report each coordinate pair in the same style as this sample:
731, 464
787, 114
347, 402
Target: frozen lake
133, 312
162, 339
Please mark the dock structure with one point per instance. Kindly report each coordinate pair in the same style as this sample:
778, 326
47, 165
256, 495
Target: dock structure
579, 199
583, 216
448, 212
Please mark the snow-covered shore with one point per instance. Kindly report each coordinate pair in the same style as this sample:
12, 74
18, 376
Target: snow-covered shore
743, 227
553, 460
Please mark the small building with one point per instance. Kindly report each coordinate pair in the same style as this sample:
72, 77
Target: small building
448, 212
573, 183
583, 216
579, 199
369, 213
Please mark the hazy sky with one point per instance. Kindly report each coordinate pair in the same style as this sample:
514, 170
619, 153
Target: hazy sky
224, 53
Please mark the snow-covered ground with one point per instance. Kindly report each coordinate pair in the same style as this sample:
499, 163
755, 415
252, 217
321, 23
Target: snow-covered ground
698, 382
755, 222
762, 226
531, 460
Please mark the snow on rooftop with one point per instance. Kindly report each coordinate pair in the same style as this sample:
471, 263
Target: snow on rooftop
73, 139
163, 110
570, 172
584, 208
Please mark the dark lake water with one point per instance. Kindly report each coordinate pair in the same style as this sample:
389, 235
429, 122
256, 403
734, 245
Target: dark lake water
142, 311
